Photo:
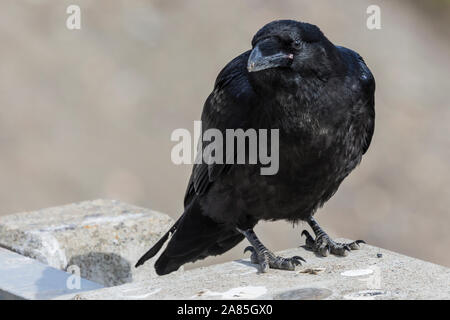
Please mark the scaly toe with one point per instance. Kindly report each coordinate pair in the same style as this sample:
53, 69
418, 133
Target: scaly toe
260, 259
324, 245
254, 256
285, 263
355, 244
339, 250
309, 242
299, 259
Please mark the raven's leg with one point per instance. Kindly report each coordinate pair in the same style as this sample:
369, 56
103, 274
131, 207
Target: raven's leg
323, 244
264, 257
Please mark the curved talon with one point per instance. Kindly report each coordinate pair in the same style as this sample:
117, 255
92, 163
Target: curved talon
286, 263
355, 244
309, 242
298, 258
293, 261
254, 258
250, 248
296, 262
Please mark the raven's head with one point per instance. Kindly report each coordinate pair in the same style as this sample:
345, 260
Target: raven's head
292, 46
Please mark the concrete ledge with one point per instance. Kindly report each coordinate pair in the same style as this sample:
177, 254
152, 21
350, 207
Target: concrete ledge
369, 273
25, 278
103, 238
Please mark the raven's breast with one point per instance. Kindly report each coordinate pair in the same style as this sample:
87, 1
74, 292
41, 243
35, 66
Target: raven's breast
308, 176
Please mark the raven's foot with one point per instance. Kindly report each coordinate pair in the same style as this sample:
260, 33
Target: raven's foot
265, 258
324, 245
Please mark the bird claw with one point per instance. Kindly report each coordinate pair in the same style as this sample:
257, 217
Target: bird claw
324, 245
249, 248
309, 242
268, 260
339, 250
355, 244
298, 258
254, 256
286, 263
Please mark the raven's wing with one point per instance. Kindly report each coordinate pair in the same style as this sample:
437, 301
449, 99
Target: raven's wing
363, 95
367, 98
225, 108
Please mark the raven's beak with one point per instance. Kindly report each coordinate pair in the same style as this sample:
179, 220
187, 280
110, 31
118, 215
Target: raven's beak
258, 60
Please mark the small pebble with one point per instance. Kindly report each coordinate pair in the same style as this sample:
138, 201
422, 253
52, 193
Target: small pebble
379, 255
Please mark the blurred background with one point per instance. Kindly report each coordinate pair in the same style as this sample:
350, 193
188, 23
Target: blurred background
88, 113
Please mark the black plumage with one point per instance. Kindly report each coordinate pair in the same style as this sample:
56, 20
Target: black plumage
321, 98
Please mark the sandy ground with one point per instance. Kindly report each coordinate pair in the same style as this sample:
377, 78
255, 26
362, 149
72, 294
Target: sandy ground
88, 114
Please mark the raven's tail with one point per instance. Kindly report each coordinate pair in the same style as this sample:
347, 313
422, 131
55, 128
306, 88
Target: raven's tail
154, 250
194, 237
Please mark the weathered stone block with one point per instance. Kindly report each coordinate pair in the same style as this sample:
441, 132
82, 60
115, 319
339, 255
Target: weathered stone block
104, 238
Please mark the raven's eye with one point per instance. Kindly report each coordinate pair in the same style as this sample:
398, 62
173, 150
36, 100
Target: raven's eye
296, 44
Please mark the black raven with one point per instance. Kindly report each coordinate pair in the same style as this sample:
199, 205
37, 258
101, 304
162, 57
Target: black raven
321, 99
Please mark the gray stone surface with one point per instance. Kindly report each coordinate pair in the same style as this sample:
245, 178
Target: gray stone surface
104, 238
360, 275
26, 278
